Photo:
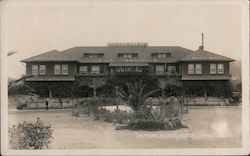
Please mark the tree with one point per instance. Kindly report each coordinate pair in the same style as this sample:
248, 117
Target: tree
93, 83
18, 86
162, 83
135, 94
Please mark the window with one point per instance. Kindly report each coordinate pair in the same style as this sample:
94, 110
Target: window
42, 70
93, 55
161, 55
83, 69
65, 69
95, 69
198, 69
190, 68
171, 69
159, 69
57, 69
34, 70
212, 68
220, 69
127, 55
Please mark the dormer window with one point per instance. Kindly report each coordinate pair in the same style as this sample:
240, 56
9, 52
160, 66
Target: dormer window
161, 55
127, 55
93, 55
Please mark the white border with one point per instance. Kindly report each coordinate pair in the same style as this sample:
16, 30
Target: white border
188, 151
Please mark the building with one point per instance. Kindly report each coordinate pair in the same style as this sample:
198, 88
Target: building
122, 58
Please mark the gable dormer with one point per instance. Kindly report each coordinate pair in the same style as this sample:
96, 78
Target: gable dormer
93, 55
161, 55
127, 55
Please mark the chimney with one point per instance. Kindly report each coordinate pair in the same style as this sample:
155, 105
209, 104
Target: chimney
201, 48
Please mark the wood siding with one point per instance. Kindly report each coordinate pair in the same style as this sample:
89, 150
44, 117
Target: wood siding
181, 68
205, 71
72, 68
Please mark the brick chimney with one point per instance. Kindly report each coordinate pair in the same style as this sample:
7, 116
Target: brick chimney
201, 48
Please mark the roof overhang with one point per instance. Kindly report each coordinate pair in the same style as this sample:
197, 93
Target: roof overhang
51, 78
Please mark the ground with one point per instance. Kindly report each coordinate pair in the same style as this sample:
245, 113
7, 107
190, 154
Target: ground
208, 127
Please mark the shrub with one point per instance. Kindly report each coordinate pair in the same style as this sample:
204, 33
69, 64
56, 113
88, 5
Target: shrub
153, 125
150, 125
121, 117
28, 135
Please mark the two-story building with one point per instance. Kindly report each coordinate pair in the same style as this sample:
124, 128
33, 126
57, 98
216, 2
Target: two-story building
134, 58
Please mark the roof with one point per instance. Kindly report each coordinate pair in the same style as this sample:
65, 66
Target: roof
128, 64
203, 55
51, 78
144, 53
53, 55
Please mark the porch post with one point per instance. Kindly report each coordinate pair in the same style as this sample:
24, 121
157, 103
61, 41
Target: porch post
50, 94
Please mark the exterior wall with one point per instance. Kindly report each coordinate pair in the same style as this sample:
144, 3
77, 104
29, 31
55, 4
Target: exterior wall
205, 71
104, 68
181, 68
152, 68
72, 68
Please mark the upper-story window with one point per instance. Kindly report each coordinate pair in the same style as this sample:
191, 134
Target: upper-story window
190, 68
65, 69
42, 70
212, 68
93, 55
83, 69
198, 69
34, 69
127, 55
220, 69
161, 55
194, 68
95, 69
171, 69
57, 69
159, 69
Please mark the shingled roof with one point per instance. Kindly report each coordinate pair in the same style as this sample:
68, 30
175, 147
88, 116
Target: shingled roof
144, 54
203, 55
53, 55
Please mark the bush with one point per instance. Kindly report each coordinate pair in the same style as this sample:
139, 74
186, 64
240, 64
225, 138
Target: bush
150, 125
28, 135
153, 125
121, 117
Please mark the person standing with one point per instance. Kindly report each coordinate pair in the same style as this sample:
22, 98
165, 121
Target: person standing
47, 104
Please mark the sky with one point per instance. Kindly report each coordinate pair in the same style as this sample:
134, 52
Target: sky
37, 27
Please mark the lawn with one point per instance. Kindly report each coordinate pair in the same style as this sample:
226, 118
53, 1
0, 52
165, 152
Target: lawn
208, 127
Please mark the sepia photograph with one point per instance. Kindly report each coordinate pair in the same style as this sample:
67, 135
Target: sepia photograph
135, 77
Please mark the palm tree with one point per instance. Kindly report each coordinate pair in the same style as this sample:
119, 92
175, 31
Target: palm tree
135, 94
162, 84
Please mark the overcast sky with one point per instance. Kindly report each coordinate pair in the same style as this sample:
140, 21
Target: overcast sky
41, 27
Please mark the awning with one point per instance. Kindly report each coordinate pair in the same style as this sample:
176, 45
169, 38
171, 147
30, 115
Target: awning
128, 64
